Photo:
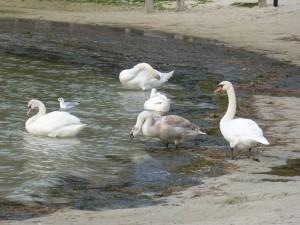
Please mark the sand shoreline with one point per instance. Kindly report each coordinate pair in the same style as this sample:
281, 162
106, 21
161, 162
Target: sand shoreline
241, 197
272, 31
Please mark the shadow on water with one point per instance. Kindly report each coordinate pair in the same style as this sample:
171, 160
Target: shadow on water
99, 169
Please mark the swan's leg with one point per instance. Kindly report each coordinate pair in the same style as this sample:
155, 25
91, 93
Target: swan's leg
232, 157
167, 145
176, 142
249, 153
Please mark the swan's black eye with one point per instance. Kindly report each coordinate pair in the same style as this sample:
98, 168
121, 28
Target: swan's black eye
221, 85
29, 107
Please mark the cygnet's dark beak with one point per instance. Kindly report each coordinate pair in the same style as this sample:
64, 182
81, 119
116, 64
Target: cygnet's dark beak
131, 136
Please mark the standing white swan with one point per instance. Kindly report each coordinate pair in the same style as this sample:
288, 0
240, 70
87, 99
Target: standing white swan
143, 76
54, 124
169, 128
157, 102
240, 133
67, 105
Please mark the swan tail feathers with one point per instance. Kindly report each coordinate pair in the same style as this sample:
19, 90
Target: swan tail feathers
70, 131
166, 76
262, 140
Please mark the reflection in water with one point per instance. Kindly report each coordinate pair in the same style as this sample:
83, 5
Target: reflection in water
97, 169
44, 158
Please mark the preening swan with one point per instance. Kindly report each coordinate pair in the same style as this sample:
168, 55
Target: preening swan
143, 76
157, 102
240, 133
171, 128
54, 124
67, 105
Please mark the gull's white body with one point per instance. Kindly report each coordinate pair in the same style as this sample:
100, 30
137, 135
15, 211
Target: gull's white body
143, 76
54, 124
240, 133
67, 105
157, 102
171, 128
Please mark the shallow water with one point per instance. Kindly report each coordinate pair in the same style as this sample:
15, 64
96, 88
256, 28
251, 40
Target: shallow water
80, 171
99, 169
290, 169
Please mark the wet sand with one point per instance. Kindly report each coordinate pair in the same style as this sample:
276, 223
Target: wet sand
273, 31
243, 196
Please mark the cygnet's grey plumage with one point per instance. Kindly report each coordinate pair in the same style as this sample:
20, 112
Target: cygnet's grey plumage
170, 128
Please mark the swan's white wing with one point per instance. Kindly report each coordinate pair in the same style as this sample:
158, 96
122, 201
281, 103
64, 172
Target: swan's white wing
57, 117
143, 76
242, 130
242, 126
52, 123
158, 104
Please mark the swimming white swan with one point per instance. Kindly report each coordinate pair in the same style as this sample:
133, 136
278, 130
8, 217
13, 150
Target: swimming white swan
169, 128
143, 76
54, 124
157, 102
67, 105
240, 133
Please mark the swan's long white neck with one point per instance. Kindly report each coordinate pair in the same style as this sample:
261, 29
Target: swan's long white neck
145, 122
229, 115
42, 111
148, 126
143, 66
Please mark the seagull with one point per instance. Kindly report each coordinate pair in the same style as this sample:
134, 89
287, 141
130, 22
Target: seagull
67, 105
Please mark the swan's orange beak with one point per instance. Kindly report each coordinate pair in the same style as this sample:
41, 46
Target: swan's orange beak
219, 89
29, 110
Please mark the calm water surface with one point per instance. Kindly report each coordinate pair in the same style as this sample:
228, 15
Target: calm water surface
97, 169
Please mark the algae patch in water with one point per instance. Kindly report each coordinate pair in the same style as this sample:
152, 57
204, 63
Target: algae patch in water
290, 169
17, 211
203, 165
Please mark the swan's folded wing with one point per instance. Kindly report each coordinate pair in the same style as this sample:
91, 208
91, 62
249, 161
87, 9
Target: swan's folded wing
177, 121
55, 120
242, 128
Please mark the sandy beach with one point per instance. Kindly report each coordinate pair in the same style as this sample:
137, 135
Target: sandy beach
245, 195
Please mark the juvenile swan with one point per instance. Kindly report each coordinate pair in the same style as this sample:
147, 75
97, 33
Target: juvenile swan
157, 102
240, 133
169, 128
54, 124
67, 105
143, 76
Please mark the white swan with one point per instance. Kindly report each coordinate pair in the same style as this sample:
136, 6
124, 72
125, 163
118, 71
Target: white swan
169, 128
67, 105
157, 102
143, 76
54, 124
240, 133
